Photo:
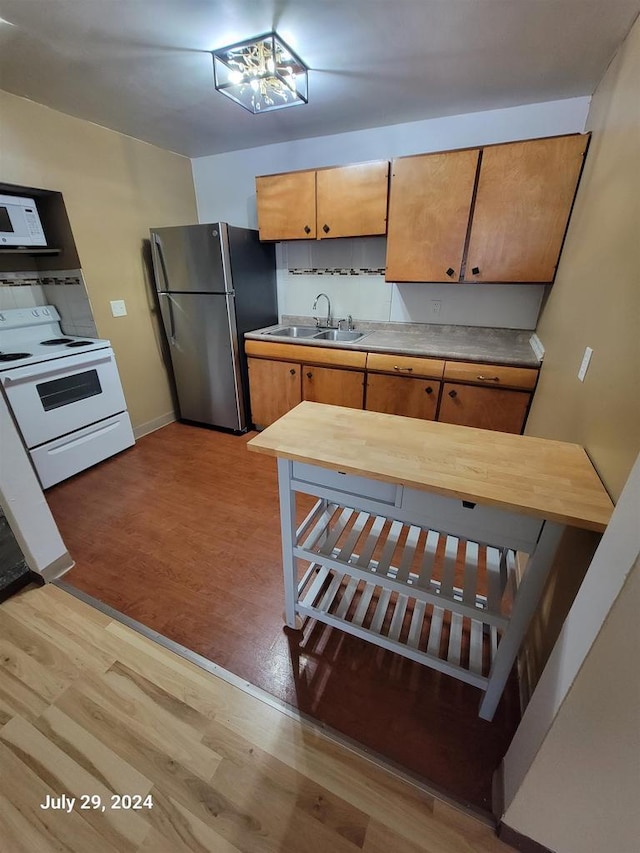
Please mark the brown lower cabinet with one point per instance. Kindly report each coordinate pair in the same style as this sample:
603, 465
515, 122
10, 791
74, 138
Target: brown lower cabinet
274, 387
485, 408
394, 384
333, 386
402, 395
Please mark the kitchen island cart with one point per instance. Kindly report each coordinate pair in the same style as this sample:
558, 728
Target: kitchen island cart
412, 543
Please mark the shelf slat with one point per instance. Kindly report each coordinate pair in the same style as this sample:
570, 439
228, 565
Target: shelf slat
320, 610
408, 554
428, 560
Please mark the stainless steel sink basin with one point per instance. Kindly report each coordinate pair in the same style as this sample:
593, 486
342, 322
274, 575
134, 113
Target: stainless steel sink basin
339, 335
295, 332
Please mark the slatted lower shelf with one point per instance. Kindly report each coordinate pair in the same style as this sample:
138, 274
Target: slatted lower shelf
430, 596
429, 634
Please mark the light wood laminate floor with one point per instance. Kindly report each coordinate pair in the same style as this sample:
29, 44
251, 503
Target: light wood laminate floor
90, 707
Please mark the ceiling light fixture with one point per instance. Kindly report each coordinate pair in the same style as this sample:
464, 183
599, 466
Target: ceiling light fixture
261, 74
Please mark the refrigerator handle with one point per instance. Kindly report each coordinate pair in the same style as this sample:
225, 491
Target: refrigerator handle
172, 323
158, 244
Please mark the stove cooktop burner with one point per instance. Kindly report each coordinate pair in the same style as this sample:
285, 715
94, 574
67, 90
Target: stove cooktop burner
80, 343
13, 356
53, 341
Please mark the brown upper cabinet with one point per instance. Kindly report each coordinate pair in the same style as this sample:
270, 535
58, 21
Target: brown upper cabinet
287, 206
496, 214
429, 208
341, 201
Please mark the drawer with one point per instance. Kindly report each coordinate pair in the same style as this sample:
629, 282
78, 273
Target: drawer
63, 457
496, 376
484, 524
349, 484
305, 354
405, 365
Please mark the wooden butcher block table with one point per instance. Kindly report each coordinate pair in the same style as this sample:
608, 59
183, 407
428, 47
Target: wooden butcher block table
412, 542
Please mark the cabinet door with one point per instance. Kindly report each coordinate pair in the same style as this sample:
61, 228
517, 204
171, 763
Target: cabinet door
352, 200
524, 198
485, 408
287, 206
399, 395
429, 204
274, 388
330, 385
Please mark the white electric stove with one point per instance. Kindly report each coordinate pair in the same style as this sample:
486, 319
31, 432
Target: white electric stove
64, 392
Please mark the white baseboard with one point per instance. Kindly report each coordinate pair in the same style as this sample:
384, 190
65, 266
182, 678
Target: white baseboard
152, 426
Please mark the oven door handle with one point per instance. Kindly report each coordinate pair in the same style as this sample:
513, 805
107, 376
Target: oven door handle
7, 379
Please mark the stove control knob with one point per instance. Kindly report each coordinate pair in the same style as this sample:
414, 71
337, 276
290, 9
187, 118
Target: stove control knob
1, 318
34, 311
46, 312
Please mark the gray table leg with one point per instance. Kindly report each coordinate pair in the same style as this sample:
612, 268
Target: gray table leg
526, 602
288, 535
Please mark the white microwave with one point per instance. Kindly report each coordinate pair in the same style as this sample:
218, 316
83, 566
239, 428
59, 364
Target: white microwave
19, 222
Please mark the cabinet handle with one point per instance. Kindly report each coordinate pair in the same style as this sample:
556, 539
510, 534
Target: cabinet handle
309, 375
429, 389
450, 272
453, 393
292, 371
307, 230
475, 270
488, 378
408, 369
326, 228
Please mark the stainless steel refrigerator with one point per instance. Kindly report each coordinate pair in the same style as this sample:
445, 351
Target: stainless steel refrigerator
214, 283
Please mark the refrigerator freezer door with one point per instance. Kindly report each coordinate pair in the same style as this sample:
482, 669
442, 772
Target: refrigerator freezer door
188, 259
200, 329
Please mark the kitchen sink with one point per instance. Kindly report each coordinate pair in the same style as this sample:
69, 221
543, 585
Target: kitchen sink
295, 332
339, 335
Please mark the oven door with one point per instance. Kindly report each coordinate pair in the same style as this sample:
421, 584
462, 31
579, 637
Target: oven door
56, 397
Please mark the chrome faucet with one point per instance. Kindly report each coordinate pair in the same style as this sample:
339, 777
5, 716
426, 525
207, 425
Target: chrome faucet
317, 319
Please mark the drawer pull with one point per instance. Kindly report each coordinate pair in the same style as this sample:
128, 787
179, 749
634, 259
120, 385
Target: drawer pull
326, 228
309, 375
292, 371
429, 389
307, 230
450, 272
468, 505
475, 270
488, 378
453, 393
408, 369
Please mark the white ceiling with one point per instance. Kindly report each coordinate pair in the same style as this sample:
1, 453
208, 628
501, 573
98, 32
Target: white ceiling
143, 67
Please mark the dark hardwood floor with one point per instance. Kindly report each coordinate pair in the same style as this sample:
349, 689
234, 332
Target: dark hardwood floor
182, 534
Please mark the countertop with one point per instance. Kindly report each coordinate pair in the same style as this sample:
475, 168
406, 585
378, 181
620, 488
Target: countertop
547, 479
461, 343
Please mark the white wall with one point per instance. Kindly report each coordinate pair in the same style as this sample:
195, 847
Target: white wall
25, 507
574, 787
225, 190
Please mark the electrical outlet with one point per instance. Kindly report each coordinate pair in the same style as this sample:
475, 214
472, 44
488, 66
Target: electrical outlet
118, 308
436, 307
586, 358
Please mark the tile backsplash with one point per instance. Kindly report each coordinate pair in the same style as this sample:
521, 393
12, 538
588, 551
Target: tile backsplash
63, 288
351, 273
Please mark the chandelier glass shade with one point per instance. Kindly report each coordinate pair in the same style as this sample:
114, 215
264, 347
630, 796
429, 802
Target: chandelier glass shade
261, 74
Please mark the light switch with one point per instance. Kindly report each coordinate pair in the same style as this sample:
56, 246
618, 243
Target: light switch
586, 358
118, 308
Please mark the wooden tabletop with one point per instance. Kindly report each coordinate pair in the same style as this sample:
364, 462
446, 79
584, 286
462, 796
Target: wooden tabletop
547, 479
